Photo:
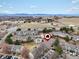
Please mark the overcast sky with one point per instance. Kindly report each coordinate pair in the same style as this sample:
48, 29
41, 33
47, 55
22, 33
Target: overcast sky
39, 6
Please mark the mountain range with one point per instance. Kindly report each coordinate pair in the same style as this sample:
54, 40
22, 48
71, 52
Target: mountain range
22, 14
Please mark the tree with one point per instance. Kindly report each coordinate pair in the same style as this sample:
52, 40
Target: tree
56, 43
17, 42
59, 50
71, 29
9, 39
49, 20
53, 29
78, 28
29, 39
25, 21
29, 29
6, 49
25, 53
18, 29
57, 47
56, 17
45, 30
61, 29
10, 35
67, 39
71, 38
40, 18
0, 39
77, 32
66, 29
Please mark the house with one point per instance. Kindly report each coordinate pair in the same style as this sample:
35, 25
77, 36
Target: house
24, 34
71, 49
12, 29
16, 48
38, 40
49, 55
75, 37
58, 33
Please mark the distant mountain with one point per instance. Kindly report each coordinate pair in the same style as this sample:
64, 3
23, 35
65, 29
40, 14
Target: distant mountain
26, 14
22, 14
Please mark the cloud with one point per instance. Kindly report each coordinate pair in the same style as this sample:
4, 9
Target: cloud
1, 6
75, 1
73, 9
7, 11
33, 6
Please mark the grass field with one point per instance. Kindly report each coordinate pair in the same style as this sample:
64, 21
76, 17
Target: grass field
68, 21
36, 25
30, 45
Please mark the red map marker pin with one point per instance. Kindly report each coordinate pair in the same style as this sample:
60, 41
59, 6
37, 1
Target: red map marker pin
47, 37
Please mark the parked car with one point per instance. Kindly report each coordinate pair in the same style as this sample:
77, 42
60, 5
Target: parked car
14, 57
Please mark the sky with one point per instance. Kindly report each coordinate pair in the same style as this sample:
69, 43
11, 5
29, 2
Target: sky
39, 6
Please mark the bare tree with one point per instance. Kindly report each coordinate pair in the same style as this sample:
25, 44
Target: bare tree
6, 49
25, 53
38, 52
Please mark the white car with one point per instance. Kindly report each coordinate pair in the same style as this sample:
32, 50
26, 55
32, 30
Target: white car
14, 57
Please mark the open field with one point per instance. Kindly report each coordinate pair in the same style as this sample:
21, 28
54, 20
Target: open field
36, 25
68, 21
30, 45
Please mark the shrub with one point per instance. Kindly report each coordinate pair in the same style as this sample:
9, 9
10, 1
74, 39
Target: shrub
59, 50
45, 30
56, 43
17, 42
67, 39
9, 39
29, 39
18, 29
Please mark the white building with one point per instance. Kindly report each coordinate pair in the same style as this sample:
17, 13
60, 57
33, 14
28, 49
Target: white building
24, 34
75, 38
38, 40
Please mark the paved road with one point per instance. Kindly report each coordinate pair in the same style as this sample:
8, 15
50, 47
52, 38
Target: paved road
3, 39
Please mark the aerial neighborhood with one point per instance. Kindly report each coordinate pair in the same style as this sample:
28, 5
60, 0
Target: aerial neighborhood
39, 37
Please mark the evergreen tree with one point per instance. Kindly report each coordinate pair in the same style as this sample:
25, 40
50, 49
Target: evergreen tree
67, 39
17, 42
9, 39
56, 43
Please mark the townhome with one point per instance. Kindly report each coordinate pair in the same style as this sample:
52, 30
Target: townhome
49, 55
75, 37
16, 48
70, 48
60, 34
24, 34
